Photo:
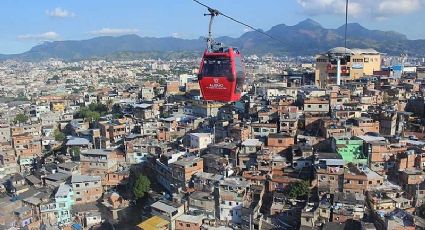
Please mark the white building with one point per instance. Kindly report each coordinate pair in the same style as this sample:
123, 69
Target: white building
232, 192
167, 210
185, 78
38, 110
200, 140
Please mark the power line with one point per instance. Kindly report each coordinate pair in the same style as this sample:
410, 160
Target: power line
237, 21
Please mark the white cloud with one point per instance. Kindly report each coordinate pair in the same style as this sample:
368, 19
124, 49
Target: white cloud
114, 31
59, 12
378, 9
247, 30
177, 35
47, 36
399, 6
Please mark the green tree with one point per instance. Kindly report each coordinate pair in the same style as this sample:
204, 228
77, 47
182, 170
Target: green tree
92, 116
69, 81
116, 108
59, 136
162, 81
299, 189
141, 186
91, 113
75, 150
21, 118
98, 107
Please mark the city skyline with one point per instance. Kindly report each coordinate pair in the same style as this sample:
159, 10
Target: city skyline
26, 24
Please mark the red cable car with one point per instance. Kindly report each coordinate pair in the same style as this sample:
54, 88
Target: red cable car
221, 74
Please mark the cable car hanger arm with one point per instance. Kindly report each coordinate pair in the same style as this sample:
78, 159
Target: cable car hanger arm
216, 13
210, 40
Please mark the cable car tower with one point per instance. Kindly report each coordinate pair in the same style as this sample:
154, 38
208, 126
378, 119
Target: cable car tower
339, 57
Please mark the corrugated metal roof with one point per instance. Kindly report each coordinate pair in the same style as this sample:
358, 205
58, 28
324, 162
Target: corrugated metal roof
153, 223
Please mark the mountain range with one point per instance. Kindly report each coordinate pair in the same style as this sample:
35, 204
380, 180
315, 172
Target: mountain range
305, 38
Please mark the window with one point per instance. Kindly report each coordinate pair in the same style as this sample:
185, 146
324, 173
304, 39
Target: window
320, 106
188, 225
360, 182
280, 141
216, 67
86, 184
240, 77
77, 185
308, 106
78, 199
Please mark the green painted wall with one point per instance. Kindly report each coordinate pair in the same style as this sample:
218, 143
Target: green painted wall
351, 150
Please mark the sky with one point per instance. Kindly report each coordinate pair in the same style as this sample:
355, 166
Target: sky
25, 23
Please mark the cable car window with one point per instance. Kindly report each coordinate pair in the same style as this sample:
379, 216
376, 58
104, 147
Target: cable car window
216, 67
240, 77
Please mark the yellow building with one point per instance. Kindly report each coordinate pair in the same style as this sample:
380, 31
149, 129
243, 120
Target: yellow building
355, 63
154, 223
57, 106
